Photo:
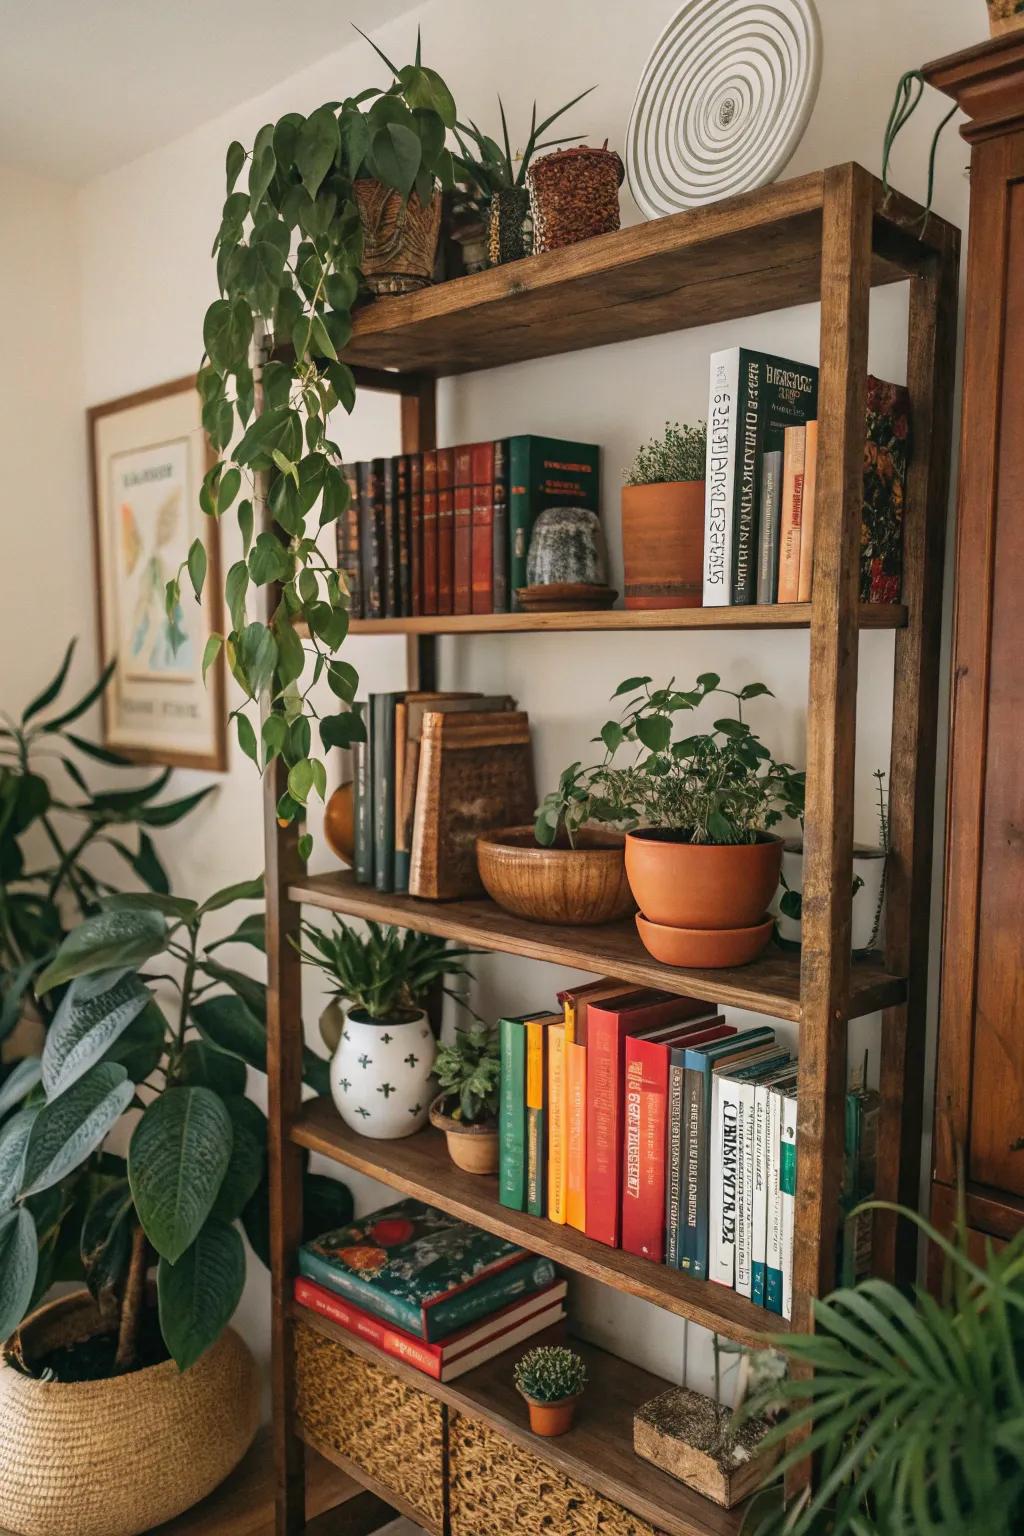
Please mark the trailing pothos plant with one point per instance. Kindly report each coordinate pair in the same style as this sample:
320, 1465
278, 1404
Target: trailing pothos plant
288, 255
153, 1024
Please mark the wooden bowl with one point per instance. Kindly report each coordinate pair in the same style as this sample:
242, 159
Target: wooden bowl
581, 886
704, 949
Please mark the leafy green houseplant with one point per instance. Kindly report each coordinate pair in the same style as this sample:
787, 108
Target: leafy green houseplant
383, 1045
678, 454
468, 1073
552, 1379
663, 520
290, 252
915, 1408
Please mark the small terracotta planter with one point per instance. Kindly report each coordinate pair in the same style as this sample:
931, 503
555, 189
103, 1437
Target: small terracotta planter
551, 1419
663, 544
399, 238
584, 885
702, 885
473, 1148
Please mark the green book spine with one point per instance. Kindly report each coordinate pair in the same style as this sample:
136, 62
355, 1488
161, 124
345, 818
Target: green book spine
488, 1296
536, 1161
362, 789
512, 1115
674, 1161
382, 715
393, 1309
545, 472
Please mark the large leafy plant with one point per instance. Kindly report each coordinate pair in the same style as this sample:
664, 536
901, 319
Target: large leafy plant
288, 255
386, 972
719, 786
196, 1165
915, 1408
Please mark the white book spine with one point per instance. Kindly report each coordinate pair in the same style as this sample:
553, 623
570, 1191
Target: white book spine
723, 1181
720, 477
787, 1180
759, 1242
744, 1187
773, 1234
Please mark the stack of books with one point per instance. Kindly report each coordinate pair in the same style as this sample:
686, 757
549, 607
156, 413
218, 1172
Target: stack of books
447, 531
429, 1290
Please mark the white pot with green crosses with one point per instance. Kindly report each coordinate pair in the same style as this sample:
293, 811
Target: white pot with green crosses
380, 1073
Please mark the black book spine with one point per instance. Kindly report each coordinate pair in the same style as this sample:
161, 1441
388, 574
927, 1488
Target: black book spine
390, 538
349, 554
749, 439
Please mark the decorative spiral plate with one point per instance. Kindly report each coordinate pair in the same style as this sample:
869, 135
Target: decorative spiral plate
723, 101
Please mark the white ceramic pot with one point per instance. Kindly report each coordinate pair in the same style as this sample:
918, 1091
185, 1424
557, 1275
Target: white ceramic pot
380, 1075
868, 913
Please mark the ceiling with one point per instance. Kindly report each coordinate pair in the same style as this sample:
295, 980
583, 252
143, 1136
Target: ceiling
87, 85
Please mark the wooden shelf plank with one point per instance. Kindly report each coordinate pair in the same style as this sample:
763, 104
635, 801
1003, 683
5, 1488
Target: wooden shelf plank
778, 616
420, 1166
597, 1451
770, 985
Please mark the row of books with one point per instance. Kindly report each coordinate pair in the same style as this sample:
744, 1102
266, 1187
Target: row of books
761, 482
647, 1122
448, 530
427, 1289
435, 769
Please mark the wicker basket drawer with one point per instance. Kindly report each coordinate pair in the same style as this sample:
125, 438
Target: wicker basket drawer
384, 1427
495, 1488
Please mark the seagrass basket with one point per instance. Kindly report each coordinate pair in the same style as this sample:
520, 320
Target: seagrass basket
118, 1457
574, 194
374, 1420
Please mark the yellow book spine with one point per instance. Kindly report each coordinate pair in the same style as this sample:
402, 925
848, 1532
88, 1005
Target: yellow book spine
535, 1064
569, 1008
576, 1136
556, 1124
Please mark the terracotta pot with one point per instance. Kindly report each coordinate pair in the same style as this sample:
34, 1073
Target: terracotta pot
1005, 16
552, 1419
118, 1457
710, 949
399, 238
339, 823
582, 885
473, 1148
663, 544
702, 885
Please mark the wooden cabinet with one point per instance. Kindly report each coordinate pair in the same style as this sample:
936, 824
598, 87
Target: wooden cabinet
979, 1103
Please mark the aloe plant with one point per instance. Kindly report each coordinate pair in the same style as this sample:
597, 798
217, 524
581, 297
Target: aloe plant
493, 168
388, 972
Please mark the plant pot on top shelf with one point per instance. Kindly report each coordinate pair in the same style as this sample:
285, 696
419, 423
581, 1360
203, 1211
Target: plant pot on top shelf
663, 521
581, 883
1005, 16
399, 237
551, 1378
574, 195
466, 1109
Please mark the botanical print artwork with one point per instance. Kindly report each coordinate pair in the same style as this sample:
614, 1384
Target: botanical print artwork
149, 488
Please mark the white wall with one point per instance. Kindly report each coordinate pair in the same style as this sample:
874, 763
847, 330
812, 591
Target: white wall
146, 277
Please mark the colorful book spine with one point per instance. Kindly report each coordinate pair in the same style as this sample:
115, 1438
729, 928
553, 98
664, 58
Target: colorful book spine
720, 477
392, 1341
415, 464
807, 519
362, 791
576, 1136
557, 1110
768, 533
773, 1191
745, 1190
645, 1100
462, 549
445, 530
792, 514
747, 489
382, 719
392, 593
371, 536
482, 529
674, 1158
402, 845
536, 1115
500, 541
512, 1114
762, 1173
787, 1184
348, 542
723, 1182
428, 566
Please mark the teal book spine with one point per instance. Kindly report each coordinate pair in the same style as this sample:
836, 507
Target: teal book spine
362, 790
536, 1160
490, 1295
392, 1308
382, 715
512, 1115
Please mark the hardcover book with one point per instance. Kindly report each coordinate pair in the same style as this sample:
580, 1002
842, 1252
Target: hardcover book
512, 1111
392, 519
348, 542
791, 530
768, 533
685, 1126
545, 472
422, 1269
415, 463
726, 1188
482, 529
362, 807
500, 541
371, 536
445, 530
537, 1032
403, 515
575, 1002
382, 761
810, 494
558, 1124
462, 547
428, 569
417, 705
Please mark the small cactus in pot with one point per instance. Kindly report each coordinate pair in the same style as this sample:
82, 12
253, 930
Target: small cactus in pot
551, 1378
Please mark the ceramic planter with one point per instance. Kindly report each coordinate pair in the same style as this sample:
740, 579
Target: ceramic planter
1005, 16
473, 1148
663, 544
707, 889
509, 232
584, 885
868, 910
380, 1074
399, 238
551, 1419
120, 1456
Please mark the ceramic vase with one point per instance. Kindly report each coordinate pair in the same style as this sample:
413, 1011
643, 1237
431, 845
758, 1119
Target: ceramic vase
867, 926
380, 1074
399, 238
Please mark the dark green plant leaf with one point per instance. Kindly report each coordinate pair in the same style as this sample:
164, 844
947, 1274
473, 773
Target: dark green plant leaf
106, 1238
202, 1066
115, 938
326, 1205
14, 1137
141, 1048
85, 702
68, 1128
253, 993
234, 161
227, 332
242, 890
198, 1295
19, 1261
52, 689
20, 1081
396, 155
174, 810
227, 1023
86, 1025
256, 1223
251, 930
316, 146
248, 1158
177, 1159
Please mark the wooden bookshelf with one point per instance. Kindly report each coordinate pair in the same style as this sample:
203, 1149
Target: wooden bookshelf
829, 237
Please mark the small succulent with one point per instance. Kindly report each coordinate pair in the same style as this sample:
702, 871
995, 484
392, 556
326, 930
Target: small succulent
550, 1373
469, 1070
678, 454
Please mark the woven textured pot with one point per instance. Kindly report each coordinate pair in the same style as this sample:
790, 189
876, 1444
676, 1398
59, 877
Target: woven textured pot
663, 544
1005, 16
574, 194
118, 1457
509, 235
399, 238
586, 884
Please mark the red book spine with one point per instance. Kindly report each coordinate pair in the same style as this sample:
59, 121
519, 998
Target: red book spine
416, 531
643, 1149
482, 538
463, 536
445, 530
425, 1357
428, 568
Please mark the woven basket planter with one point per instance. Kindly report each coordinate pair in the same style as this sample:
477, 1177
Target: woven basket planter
574, 194
118, 1457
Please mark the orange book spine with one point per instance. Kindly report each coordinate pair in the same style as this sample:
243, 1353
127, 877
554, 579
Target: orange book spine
557, 1127
792, 514
807, 527
576, 1135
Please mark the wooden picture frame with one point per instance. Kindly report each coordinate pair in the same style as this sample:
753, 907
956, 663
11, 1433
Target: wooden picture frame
148, 454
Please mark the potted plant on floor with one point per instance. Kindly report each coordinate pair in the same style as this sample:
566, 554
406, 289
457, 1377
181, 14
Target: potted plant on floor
663, 520
376, 1025
551, 1378
468, 1073
84, 1380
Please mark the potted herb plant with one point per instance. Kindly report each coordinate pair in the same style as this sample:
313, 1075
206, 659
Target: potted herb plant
468, 1073
376, 1025
84, 1380
552, 1379
498, 178
663, 520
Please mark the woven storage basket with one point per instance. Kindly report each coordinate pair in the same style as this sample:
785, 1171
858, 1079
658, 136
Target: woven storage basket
372, 1418
496, 1488
574, 194
117, 1457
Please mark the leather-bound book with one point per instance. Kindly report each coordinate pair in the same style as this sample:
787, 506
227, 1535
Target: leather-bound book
403, 510
463, 539
475, 775
428, 566
415, 462
482, 536
445, 530
371, 536
348, 543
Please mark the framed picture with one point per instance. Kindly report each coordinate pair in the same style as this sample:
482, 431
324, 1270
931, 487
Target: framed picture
149, 456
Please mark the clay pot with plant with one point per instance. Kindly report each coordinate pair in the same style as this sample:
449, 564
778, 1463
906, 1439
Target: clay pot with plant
468, 1072
160, 1246
376, 1024
663, 520
551, 1378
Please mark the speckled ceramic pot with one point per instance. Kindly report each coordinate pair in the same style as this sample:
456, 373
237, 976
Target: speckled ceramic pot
380, 1075
566, 546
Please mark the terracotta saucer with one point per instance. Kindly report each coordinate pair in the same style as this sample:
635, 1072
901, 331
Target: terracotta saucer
710, 949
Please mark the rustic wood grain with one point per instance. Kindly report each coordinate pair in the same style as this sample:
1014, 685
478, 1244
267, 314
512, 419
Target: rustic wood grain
775, 616
386, 1496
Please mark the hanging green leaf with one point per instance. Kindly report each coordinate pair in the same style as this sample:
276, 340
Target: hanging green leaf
86, 1024
199, 1293
177, 1159
68, 1128
109, 939
19, 1261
